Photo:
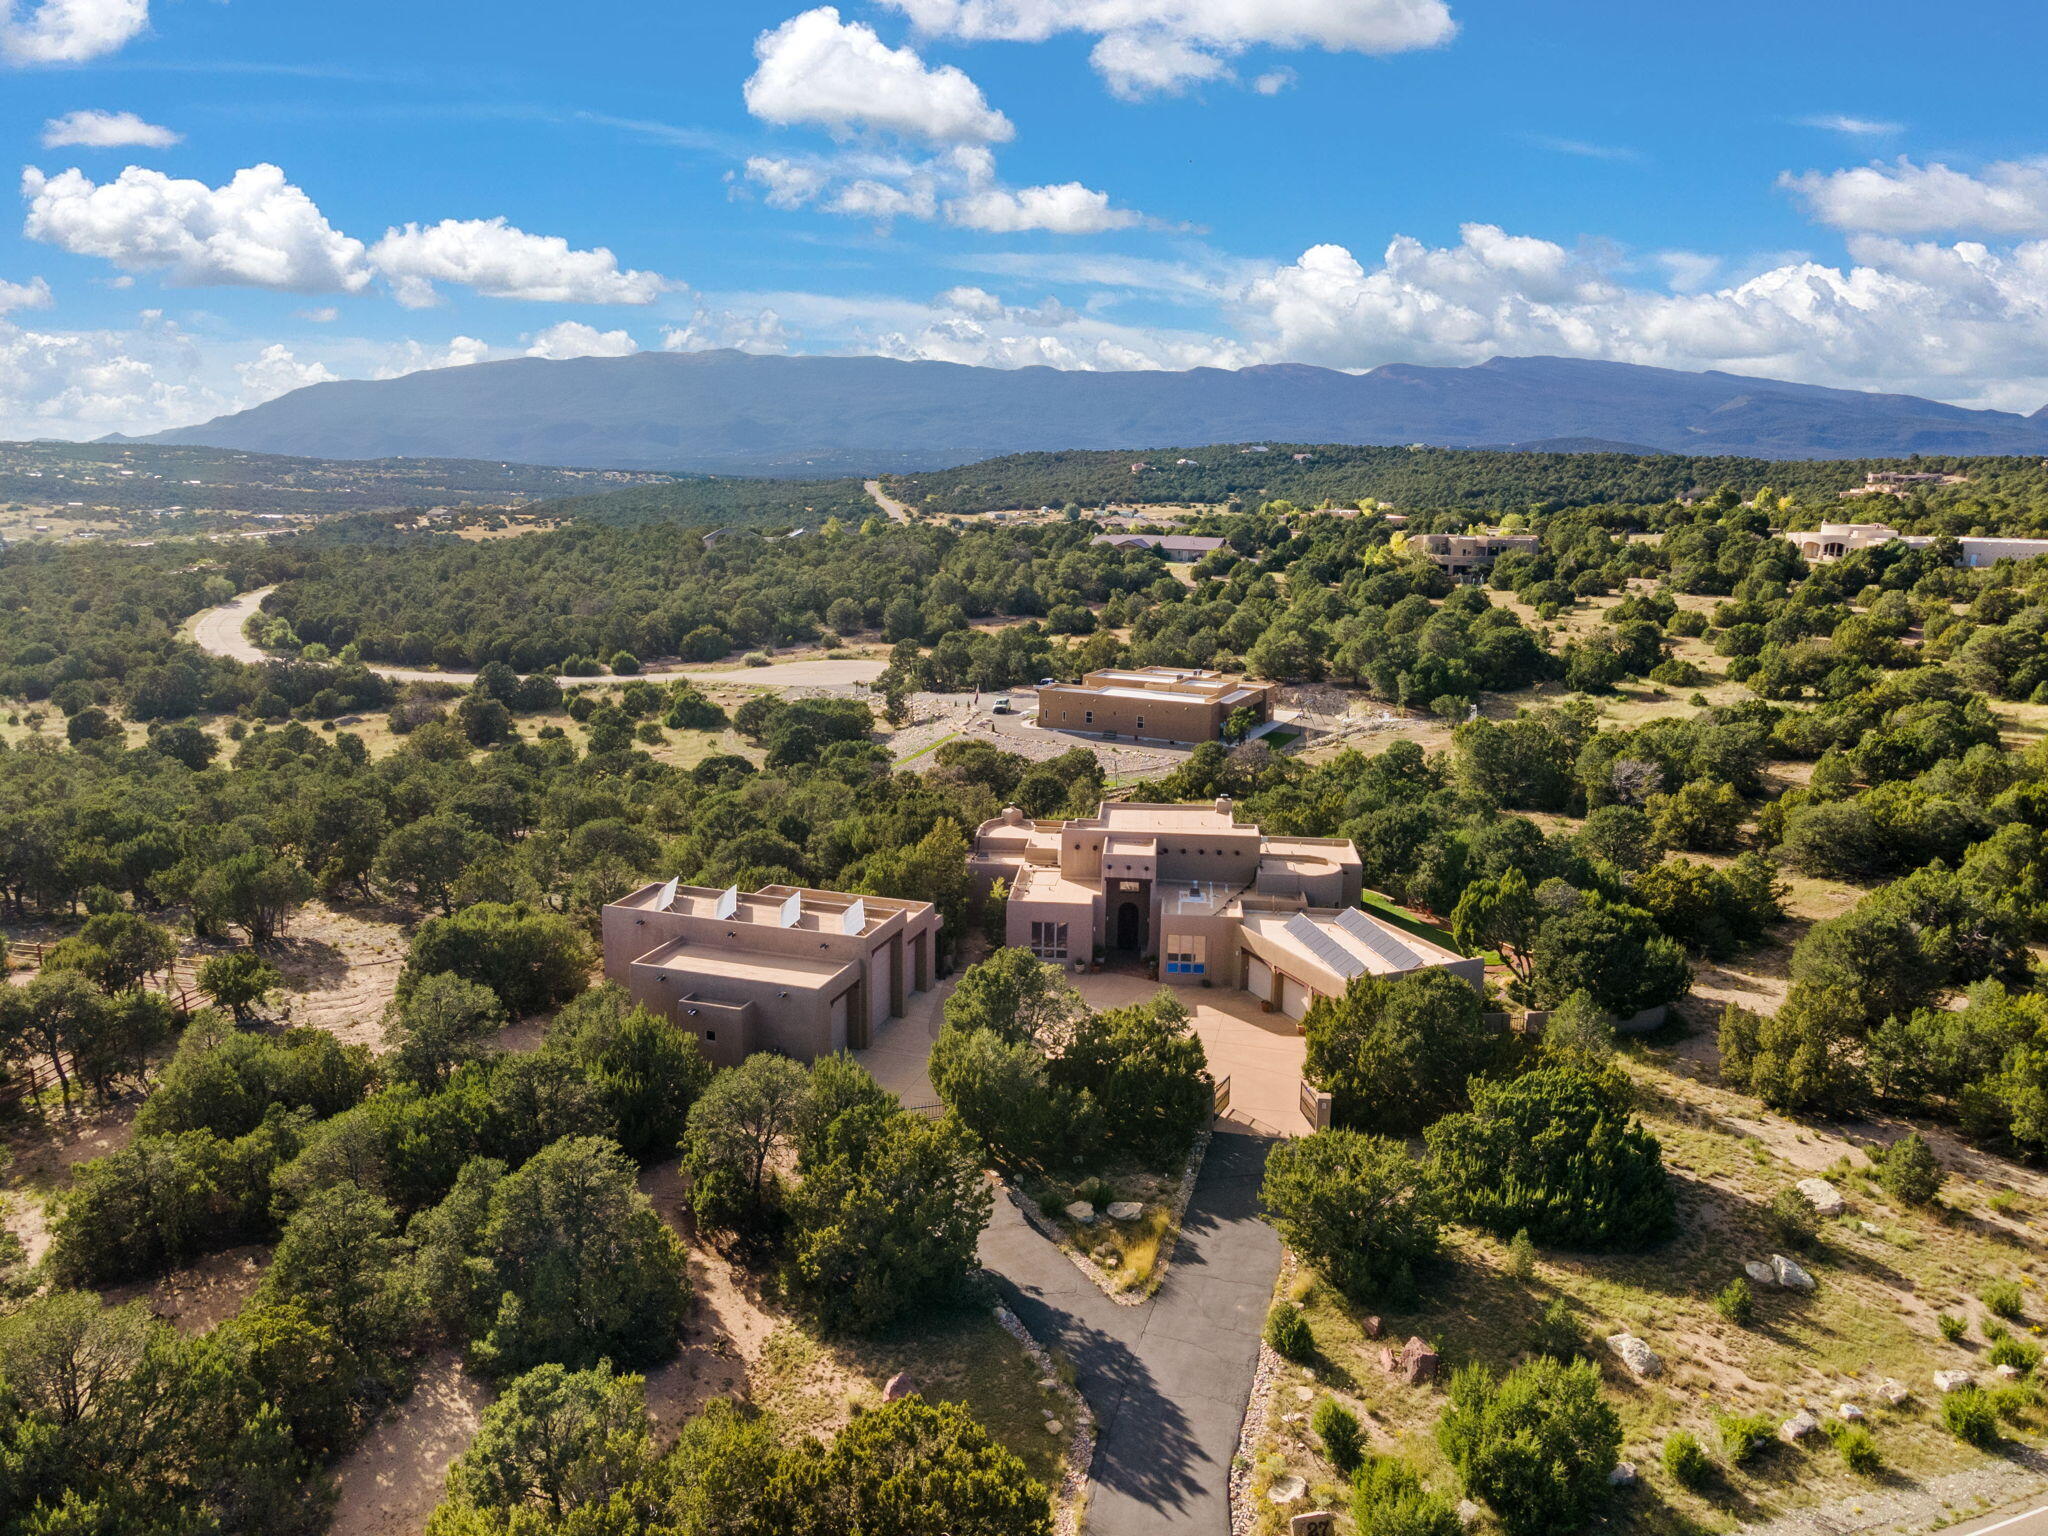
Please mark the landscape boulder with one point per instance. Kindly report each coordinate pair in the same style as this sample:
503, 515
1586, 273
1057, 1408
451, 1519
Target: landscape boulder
1082, 1212
2006, 1372
1126, 1210
1636, 1355
1893, 1391
1850, 1411
1623, 1475
1799, 1426
1414, 1363
898, 1386
1953, 1381
1825, 1199
1789, 1274
1761, 1273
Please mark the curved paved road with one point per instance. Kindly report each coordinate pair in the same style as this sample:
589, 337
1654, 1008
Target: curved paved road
897, 510
1168, 1381
219, 631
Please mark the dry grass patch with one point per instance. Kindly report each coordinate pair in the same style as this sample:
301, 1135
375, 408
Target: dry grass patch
1884, 1273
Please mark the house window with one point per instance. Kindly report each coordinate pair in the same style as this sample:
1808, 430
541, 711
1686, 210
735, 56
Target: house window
1187, 955
1088, 718
1141, 722
1049, 941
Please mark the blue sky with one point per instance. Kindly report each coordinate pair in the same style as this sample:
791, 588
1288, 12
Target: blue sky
220, 201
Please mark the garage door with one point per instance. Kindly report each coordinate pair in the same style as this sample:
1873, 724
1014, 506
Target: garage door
1294, 997
839, 1008
881, 975
1258, 978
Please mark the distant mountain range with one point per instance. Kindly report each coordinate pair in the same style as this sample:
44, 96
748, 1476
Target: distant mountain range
735, 413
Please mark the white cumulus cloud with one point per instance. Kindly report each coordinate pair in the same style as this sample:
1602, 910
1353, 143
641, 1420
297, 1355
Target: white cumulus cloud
1145, 46
417, 357
33, 294
502, 262
572, 338
275, 371
68, 31
1066, 209
786, 183
818, 70
757, 330
258, 231
107, 130
1906, 198
1962, 322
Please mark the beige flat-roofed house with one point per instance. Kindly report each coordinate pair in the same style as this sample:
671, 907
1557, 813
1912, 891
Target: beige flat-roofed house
1152, 703
799, 972
1831, 541
1216, 901
1468, 554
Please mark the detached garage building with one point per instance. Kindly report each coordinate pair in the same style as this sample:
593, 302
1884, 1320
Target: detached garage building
1152, 704
799, 972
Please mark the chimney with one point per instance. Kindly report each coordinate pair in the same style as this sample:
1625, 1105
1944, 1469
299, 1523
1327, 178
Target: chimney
1223, 806
1012, 816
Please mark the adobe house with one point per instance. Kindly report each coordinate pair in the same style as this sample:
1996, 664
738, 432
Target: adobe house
1152, 703
800, 972
1216, 901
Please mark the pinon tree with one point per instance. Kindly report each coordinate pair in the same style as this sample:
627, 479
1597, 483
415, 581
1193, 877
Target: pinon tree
1555, 1152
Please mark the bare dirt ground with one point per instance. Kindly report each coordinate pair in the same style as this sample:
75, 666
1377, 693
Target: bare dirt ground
208, 1291
340, 966
391, 1482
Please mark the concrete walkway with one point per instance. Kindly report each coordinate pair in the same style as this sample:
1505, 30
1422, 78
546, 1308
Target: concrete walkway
1168, 1381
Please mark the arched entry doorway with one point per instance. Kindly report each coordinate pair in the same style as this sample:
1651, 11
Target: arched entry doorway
1130, 927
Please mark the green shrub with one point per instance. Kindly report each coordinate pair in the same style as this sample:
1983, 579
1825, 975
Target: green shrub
1792, 1219
1736, 1302
1534, 1446
1289, 1334
2021, 1354
1970, 1416
1686, 1459
1521, 1256
1556, 1333
1388, 1499
1952, 1327
1337, 1427
1908, 1171
1744, 1434
2003, 1299
1859, 1451
2012, 1400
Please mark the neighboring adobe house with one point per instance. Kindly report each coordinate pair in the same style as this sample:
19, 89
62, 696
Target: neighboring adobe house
1831, 541
1175, 546
1468, 554
1171, 704
804, 973
1900, 482
1218, 903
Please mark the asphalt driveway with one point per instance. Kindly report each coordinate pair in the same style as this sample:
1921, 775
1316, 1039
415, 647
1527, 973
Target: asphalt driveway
1168, 1381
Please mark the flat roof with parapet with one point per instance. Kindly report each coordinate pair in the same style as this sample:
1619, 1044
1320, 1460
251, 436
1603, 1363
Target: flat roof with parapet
685, 958
1140, 816
1044, 882
818, 911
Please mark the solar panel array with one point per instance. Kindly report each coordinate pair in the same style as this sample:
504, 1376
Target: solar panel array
1323, 947
1378, 939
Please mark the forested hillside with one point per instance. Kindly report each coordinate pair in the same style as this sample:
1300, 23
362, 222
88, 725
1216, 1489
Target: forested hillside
2003, 494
